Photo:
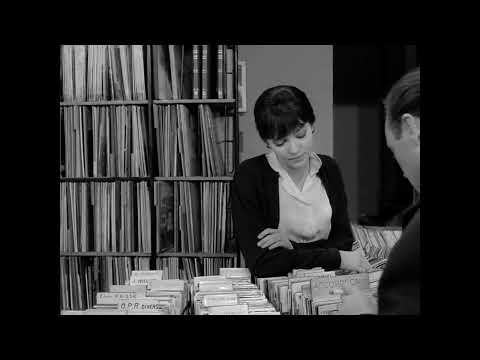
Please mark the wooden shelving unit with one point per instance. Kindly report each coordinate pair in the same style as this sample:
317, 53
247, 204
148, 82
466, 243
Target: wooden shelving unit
230, 107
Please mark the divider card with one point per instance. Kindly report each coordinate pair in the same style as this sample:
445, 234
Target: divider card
321, 286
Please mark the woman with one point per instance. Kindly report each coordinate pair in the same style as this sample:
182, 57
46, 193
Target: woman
289, 205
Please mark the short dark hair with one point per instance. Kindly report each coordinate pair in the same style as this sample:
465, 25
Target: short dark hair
280, 110
403, 98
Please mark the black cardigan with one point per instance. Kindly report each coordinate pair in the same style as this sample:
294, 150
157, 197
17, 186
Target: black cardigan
255, 207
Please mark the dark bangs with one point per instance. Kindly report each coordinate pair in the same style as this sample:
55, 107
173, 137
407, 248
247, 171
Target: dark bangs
281, 110
279, 126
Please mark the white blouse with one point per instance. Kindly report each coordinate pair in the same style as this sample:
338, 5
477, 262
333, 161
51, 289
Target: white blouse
305, 214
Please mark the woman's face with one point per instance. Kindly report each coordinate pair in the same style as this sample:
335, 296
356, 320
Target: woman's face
406, 149
293, 150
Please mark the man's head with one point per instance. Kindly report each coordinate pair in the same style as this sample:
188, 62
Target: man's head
284, 119
402, 124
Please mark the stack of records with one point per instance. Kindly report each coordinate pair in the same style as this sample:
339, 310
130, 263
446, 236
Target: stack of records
247, 292
376, 242
379, 264
374, 279
327, 292
213, 295
173, 293
103, 72
276, 290
145, 293
230, 293
108, 303
374, 276
283, 291
323, 295
315, 291
299, 284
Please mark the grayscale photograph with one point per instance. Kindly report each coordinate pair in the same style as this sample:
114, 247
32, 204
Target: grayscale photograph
230, 179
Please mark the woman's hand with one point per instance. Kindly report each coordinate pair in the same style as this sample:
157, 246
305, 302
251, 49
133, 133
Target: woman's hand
354, 261
273, 238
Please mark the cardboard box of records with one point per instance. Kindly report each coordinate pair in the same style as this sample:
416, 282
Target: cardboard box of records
315, 291
229, 293
146, 293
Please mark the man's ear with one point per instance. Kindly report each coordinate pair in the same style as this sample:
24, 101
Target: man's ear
409, 124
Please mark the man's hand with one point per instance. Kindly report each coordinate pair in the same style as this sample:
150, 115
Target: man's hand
356, 302
273, 238
354, 261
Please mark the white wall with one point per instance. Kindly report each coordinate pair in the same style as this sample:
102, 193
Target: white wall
308, 67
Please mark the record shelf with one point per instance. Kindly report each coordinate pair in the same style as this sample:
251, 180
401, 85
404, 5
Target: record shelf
87, 255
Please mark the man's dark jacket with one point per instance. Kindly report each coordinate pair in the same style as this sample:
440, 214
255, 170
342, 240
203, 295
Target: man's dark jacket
399, 288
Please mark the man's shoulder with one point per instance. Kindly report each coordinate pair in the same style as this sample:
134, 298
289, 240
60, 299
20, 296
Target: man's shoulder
413, 225
407, 248
411, 214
